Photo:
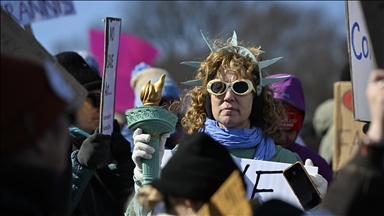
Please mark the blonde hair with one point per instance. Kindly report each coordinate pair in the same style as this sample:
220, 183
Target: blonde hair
217, 62
149, 196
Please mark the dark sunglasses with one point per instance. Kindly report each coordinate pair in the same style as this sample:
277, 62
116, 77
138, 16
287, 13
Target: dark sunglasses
95, 98
240, 87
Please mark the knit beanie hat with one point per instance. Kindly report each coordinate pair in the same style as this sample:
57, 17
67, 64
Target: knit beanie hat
197, 169
143, 72
83, 73
90, 59
33, 98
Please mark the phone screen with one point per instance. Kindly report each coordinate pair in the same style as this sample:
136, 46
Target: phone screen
302, 186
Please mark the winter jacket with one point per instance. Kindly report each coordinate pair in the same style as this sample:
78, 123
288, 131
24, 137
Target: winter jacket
102, 191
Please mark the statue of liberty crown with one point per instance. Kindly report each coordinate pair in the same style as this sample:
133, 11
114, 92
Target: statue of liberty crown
242, 51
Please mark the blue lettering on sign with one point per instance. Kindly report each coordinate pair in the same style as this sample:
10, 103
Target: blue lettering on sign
27, 11
364, 44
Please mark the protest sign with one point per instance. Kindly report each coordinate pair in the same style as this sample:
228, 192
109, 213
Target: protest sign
348, 132
27, 11
111, 51
133, 50
361, 57
263, 178
17, 42
229, 199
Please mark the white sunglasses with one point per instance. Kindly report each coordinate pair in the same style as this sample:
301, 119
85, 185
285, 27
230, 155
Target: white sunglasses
240, 87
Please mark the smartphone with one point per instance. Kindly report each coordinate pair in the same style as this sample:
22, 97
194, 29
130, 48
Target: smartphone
303, 186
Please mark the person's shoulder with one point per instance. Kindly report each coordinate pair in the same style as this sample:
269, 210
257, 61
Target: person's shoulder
314, 156
284, 155
299, 149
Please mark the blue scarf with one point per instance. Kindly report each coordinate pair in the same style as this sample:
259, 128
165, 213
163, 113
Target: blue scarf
242, 139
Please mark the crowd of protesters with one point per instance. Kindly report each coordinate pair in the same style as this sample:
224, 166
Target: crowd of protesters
54, 160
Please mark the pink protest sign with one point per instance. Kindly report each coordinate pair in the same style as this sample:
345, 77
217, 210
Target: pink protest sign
132, 51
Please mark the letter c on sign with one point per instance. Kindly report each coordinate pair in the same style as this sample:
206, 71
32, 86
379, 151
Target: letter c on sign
355, 25
364, 43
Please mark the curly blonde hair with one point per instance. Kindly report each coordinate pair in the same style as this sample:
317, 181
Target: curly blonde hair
229, 58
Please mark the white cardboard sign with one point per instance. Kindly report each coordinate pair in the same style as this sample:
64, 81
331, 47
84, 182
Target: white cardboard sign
264, 178
26, 12
111, 51
107, 106
361, 56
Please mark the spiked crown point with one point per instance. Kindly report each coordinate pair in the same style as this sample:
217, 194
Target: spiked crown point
242, 51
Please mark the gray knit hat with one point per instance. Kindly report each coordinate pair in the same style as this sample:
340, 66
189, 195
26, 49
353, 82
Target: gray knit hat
143, 72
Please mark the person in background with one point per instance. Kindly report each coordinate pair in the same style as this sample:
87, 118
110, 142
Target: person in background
190, 178
94, 65
359, 187
323, 125
323, 121
35, 115
170, 93
96, 190
291, 94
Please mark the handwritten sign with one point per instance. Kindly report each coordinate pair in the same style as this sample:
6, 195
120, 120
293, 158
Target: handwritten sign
111, 50
133, 50
361, 57
263, 178
27, 12
17, 42
112, 29
348, 132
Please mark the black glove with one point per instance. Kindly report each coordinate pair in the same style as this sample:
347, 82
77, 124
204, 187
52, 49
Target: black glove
120, 147
93, 151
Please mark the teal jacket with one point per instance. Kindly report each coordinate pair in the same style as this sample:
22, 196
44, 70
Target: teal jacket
99, 191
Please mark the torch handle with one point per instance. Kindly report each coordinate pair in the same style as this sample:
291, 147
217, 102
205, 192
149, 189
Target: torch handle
151, 167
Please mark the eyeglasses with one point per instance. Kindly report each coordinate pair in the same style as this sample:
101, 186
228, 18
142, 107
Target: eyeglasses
95, 98
240, 87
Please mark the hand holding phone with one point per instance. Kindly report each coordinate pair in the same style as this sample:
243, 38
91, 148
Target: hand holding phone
302, 186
